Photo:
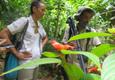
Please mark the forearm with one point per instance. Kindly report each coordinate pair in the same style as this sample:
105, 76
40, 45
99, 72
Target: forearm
44, 41
5, 34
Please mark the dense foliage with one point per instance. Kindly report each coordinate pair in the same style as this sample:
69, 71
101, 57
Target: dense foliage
55, 18
57, 12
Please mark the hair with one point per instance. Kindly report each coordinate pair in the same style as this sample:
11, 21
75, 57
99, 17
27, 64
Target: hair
35, 3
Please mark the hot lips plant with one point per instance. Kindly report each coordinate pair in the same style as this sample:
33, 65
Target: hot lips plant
58, 46
73, 71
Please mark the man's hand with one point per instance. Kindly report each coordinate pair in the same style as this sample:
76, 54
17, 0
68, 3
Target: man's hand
2, 41
23, 55
2, 49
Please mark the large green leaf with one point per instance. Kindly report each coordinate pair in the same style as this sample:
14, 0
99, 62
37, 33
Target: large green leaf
105, 1
33, 63
91, 56
88, 35
73, 71
102, 49
50, 54
91, 77
108, 68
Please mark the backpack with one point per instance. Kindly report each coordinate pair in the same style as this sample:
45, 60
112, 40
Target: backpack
73, 31
88, 29
11, 61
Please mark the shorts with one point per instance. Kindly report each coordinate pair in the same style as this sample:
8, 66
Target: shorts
28, 74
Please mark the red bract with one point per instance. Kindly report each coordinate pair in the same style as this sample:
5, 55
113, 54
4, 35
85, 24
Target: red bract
92, 69
59, 46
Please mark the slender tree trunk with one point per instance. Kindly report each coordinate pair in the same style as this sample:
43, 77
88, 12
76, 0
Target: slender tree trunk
58, 19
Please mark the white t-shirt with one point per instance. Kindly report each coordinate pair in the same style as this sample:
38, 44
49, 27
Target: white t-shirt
32, 41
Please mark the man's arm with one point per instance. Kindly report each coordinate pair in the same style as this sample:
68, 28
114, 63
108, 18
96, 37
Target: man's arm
6, 34
44, 41
96, 41
2, 41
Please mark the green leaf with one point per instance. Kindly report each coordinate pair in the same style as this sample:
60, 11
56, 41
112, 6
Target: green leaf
102, 49
50, 54
108, 68
34, 63
88, 35
91, 56
105, 1
73, 71
91, 77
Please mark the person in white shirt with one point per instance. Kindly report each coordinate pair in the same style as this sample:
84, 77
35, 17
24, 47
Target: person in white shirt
34, 40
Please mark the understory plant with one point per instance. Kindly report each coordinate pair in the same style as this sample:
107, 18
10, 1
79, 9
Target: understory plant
73, 71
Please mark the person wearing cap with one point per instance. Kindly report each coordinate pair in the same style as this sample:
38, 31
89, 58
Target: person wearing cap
81, 18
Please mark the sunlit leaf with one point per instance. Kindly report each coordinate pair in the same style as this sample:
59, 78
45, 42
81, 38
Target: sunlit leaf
33, 63
73, 71
91, 56
88, 35
104, 1
111, 30
108, 68
91, 77
102, 49
50, 54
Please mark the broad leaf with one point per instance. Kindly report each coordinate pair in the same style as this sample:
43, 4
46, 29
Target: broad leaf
105, 1
73, 71
88, 35
33, 63
50, 54
108, 68
102, 49
91, 56
91, 77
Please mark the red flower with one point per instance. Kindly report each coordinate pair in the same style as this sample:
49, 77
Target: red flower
59, 46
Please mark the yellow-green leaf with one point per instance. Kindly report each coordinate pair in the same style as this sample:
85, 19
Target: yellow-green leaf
73, 71
50, 54
88, 35
91, 56
91, 77
33, 63
102, 49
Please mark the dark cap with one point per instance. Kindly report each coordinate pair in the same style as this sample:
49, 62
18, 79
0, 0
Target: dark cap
83, 9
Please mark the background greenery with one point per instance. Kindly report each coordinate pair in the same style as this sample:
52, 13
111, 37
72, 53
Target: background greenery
57, 12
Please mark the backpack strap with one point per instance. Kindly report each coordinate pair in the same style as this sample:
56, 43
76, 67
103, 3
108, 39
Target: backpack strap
19, 40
